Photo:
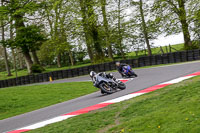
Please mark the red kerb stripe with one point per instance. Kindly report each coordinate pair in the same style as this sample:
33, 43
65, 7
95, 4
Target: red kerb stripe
153, 88
124, 80
19, 131
90, 108
194, 74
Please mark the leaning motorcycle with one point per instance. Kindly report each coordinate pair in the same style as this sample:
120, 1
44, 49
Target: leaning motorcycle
108, 85
128, 72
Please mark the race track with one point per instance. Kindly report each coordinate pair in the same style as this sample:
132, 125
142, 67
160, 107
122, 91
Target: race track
147, 77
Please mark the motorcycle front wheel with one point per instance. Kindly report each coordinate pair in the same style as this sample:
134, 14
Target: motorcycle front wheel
133, 73
106, 88
121, 85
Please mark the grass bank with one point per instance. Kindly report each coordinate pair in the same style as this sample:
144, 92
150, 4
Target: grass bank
173, 109
157, 50
19, 100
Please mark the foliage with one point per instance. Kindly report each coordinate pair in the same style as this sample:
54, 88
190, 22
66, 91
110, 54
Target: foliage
29, 39
36, 68
175, 17
195, 45
68, 32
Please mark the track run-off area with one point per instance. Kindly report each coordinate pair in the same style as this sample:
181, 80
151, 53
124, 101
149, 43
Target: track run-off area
149, 79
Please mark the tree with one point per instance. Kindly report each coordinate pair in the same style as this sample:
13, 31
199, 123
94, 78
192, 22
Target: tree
107, 32
174, 17
28, 39
87, 34
17, 10
3, 43
144, 28
120, 30
91, 29
58, 15
194, 18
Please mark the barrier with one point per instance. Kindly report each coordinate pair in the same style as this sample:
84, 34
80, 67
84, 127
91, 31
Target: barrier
175, 57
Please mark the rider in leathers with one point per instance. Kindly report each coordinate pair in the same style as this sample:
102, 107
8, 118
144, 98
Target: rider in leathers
94, 75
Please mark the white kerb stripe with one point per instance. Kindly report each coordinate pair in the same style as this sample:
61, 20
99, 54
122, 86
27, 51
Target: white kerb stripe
177, 80
50, 121
126, 97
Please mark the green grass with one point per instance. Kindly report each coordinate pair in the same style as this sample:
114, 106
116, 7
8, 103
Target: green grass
177, 47
173, 109
19, 100
67, 67
3, 75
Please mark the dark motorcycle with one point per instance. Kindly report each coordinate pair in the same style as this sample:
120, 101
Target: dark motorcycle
108, 85
128, 72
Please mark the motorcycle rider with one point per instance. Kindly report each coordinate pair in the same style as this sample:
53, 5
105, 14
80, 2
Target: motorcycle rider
120, 68
94, 75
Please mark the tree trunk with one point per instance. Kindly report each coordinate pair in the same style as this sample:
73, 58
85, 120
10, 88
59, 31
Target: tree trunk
20, 59
4, 48
97, 45
13, 51
144, 27
29, 62
59, 60
14, 60
35, 58
105, 22
183, 20
119, 31
86, 30
71, 58
6, 62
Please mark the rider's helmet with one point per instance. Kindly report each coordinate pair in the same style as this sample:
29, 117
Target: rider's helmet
92, 74
110, 75
117, 63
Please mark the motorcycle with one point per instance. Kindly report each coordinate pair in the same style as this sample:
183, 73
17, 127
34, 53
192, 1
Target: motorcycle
108, 85
128, 72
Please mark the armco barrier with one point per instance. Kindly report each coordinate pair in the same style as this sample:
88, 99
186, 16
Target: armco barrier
140, 62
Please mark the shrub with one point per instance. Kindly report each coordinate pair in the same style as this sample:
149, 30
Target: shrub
37, 68
195, 45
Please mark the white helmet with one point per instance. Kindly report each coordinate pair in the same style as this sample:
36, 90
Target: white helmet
117, 63
92, 74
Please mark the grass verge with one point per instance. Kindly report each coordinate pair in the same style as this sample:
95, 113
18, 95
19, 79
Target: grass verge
3, 75
173, 109
22, 99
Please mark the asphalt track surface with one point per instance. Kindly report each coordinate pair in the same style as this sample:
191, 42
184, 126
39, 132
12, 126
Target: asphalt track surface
147, 77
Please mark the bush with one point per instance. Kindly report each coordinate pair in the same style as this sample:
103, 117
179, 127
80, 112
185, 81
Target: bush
195, 45
37, 68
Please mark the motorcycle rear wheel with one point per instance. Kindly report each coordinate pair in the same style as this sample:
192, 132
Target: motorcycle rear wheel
121, 86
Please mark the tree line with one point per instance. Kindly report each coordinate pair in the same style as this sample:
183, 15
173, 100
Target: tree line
65, 32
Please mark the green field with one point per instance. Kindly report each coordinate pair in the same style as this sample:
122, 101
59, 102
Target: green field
156, 50
3, 75
19, 100
173, 109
